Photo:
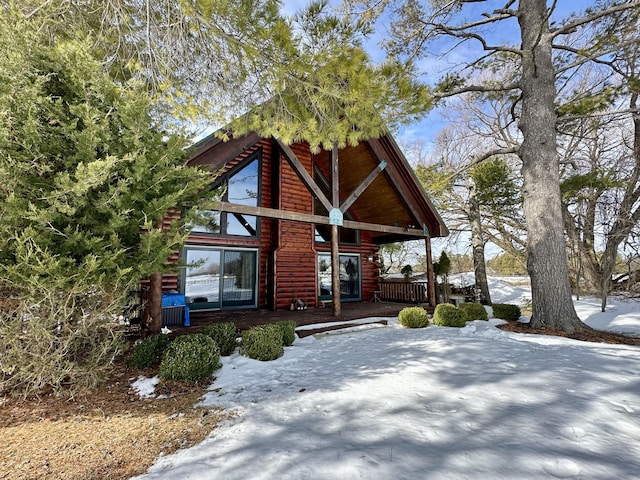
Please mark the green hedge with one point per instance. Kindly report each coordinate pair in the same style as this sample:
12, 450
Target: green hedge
506, 311
288, 328
190, 357
263, 342
447, 315
148, 352
413, 317
224, 334
474, 311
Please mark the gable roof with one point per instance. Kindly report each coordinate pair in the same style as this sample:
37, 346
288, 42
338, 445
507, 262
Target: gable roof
395, 198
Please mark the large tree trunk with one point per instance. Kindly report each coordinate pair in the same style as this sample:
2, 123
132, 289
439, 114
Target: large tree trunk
477, 244
547, 259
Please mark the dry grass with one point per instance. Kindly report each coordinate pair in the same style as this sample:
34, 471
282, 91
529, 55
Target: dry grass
107, 434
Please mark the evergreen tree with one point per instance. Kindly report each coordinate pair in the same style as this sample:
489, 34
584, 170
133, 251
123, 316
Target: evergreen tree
87, 176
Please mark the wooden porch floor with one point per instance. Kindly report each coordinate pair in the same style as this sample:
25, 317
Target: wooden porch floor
245, 319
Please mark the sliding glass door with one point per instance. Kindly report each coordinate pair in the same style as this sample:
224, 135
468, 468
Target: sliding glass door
349, 277
217, 278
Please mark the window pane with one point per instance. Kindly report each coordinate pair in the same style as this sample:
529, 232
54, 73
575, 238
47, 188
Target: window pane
202, 283
209, 222
239, 278
238, 224
324, 276
243, 185
349, 276
243, 189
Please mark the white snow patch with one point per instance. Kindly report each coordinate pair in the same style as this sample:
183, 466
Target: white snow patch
472, 403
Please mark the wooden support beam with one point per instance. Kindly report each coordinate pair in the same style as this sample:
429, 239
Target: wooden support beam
302, 173
362, 187
374, 144
335, 236
431, 278
319, 219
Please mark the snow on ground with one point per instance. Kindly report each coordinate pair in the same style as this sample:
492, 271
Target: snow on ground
436, 403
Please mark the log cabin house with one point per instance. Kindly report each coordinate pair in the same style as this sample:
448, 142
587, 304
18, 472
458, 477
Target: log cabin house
269, 242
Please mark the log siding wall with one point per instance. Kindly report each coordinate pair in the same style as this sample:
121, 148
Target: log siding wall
287, 251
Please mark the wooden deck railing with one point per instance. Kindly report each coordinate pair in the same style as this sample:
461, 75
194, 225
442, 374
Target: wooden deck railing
409, 292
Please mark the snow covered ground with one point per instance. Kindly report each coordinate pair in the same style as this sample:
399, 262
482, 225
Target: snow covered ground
436, 403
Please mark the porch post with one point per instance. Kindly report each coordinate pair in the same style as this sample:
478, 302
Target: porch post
335, 237
431, 285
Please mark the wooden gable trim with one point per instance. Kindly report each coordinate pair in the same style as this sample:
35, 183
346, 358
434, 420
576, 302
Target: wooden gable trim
215, 152
395, 175
402, 174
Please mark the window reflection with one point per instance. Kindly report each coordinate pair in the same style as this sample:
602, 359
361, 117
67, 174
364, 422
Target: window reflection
242, 188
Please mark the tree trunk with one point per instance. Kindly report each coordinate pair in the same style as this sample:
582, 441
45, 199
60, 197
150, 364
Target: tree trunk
547, 259
627, 216
477, 244
154, 306
587, 269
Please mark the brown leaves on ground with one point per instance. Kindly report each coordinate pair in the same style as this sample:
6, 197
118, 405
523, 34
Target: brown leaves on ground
111, 433
586, 335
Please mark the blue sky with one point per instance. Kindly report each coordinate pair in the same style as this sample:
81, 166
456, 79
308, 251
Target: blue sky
426, 130
436, 66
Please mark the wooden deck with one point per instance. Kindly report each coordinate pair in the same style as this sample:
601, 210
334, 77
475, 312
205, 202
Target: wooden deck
245, 319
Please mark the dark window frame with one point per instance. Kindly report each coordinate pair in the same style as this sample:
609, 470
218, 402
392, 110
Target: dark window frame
223, 182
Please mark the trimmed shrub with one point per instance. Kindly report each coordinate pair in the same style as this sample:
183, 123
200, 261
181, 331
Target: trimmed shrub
288, 328
263, 342
447, 315
191, 357
413, 317
224, 334
506, 311
148, 352
474, 311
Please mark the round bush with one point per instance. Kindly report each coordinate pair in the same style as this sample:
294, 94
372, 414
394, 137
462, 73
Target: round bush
288, 328
263, 342
148, 352
191, 357
413, 317
446, 315
474, 311
506, 311
224, 334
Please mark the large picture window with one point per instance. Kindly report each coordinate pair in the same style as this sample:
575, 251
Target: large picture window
219, 278
242, 187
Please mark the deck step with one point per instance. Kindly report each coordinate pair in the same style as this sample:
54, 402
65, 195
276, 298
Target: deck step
335, 328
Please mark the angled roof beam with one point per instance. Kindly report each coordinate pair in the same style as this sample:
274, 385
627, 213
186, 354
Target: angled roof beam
362, 187
304, 175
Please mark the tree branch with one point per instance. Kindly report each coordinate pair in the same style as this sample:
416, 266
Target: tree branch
476, 88
572, 26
